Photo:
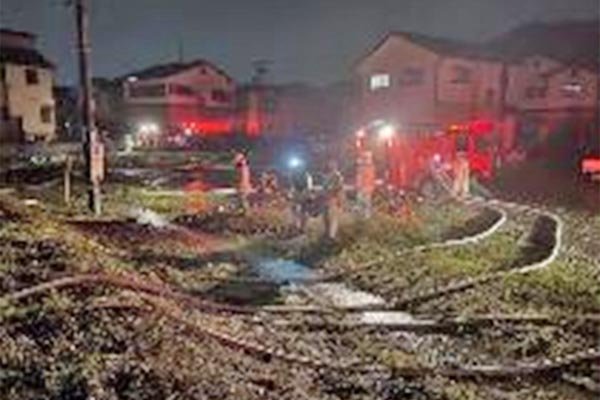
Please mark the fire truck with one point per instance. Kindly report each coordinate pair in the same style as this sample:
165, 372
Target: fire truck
409, 157
591, 167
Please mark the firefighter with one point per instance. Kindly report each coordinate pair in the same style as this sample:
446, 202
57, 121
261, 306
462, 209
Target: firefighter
365, 182
302, 197
268, 187
460, 188
333, 200
244, 185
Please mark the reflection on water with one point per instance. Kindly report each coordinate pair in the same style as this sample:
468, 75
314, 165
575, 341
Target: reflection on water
282, 271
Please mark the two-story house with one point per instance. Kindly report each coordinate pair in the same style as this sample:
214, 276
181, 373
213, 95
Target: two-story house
193, 97
423, 83
551, 96
553, 88
26, 97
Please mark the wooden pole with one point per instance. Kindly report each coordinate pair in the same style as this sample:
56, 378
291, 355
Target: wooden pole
91, 143
67, 179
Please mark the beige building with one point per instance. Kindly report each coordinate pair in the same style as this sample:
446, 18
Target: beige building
551, 96
27, 111
194, 97
421, 82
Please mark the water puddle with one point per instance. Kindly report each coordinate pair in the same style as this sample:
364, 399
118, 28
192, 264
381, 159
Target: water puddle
282, 271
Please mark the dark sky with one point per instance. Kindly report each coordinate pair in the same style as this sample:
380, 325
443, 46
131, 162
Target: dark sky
310, 40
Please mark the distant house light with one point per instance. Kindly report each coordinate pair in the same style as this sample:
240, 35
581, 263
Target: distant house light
573, 87
132, 79
379, 81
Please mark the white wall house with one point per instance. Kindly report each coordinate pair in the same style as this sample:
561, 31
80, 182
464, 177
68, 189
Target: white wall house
27, 111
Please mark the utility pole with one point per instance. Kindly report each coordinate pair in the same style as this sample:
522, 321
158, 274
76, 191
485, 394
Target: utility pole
92, 147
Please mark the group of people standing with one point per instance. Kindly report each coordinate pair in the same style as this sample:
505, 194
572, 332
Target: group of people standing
306, 200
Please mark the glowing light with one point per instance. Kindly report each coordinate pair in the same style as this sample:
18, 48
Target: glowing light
132, 79
386, 132
295, 162
148, 128
361, 133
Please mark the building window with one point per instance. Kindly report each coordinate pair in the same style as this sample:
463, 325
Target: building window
31, 76
412, 76
461, 74
158, 90
181, 90
2, 73
572, 90
535, 92
46, 114
379, 81
220, 96
4, 114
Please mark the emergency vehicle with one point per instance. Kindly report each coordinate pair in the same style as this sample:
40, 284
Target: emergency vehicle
409, 157
591, 167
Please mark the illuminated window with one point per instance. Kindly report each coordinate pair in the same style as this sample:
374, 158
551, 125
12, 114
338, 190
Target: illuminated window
572, 89
412, 76
379, 81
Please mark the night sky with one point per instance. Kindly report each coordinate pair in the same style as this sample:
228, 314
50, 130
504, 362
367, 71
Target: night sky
307, 40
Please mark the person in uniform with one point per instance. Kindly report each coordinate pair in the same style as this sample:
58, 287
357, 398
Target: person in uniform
333, 200
244, 185
460, 187
302, 197
365, 183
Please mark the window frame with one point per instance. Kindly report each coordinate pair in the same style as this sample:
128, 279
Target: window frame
46, 114
32, 76
412, 76
379, 81
461, 75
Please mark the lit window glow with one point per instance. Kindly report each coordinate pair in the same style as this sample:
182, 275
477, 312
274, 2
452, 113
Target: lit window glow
379, 81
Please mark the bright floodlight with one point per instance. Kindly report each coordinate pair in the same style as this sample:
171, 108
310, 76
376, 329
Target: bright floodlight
295, 162
386, 132
148, 128
153, 128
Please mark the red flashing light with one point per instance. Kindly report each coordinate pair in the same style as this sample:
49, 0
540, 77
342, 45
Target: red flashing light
481, 126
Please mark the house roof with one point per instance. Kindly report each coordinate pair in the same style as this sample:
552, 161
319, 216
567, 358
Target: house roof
569, 42
170, 69
442, 46
4, 31
451, 47
23, 56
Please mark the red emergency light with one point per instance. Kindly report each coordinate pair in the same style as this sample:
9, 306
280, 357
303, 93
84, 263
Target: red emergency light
481, 126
